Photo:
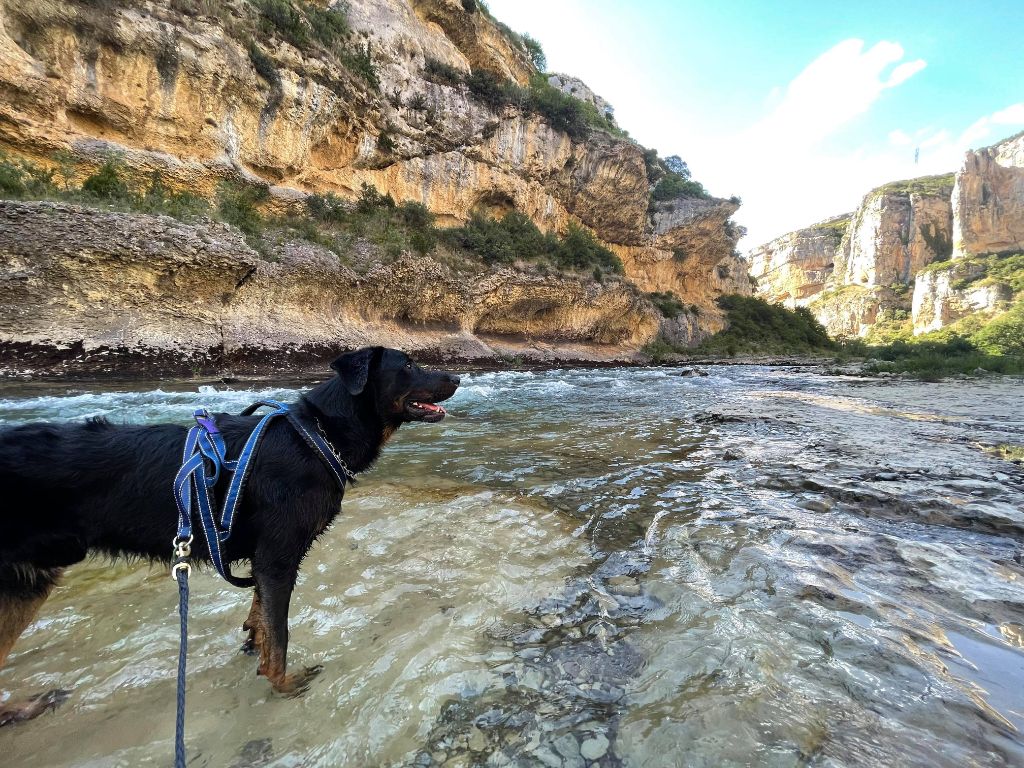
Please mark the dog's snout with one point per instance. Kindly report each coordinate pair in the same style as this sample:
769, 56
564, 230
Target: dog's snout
454, 379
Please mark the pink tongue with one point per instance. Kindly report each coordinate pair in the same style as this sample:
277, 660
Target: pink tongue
431, 407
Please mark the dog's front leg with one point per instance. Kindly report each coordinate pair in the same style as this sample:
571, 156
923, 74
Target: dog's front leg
274, 590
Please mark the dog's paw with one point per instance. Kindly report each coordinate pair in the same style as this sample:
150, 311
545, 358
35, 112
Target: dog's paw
33, 707
297, 683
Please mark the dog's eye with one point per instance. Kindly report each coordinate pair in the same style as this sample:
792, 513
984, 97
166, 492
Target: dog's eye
409, 366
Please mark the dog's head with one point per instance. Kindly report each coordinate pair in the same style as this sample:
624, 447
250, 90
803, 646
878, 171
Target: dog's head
400, 389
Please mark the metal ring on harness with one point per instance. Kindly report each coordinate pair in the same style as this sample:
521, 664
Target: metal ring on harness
187, 567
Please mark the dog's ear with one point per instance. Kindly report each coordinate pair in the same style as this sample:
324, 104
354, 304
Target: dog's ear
354, 367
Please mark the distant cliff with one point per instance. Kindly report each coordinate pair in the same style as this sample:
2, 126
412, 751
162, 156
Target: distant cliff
430, 101
916, 256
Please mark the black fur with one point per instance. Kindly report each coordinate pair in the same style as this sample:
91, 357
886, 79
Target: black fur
74, 489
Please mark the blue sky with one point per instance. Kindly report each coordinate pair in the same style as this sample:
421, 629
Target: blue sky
798, 107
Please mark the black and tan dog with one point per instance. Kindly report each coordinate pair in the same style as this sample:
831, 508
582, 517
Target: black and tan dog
75, 489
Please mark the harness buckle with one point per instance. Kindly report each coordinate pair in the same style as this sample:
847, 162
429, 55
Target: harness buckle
182, 547
182, 551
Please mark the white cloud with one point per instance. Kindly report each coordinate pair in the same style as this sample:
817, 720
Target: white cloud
832, 90
780, 166
905, 71
981, 132
1012, 114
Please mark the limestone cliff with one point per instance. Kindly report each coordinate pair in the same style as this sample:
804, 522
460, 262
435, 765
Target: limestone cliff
954, 291
149, 292
857, 269
898, 229
988, 221
795, 267
918, 256
204, 92
988, 200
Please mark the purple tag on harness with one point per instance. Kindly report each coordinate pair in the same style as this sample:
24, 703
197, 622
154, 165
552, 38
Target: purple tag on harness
207, 423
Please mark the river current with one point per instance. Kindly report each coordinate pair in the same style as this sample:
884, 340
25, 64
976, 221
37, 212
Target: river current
619, 567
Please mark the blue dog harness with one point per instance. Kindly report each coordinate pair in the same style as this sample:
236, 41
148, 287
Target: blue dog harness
205, 443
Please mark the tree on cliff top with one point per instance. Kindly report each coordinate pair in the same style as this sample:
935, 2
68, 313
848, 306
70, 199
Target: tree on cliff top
535, 52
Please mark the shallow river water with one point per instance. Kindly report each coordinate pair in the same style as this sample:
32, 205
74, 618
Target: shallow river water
591, 567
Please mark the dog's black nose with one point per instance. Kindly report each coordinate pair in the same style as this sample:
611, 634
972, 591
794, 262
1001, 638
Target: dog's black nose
454, 379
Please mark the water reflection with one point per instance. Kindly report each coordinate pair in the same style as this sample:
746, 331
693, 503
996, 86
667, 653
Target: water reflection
615, 567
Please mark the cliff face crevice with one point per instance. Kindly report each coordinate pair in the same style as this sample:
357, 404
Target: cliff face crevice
178, 93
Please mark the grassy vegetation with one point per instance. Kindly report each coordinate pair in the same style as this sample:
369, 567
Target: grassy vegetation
1004, 334
512, 239
891, 326
515, 238
313, 29
934, 359
1006, 268
759, 328
562, 111
836, 228
329, 221
108, 186
941, 184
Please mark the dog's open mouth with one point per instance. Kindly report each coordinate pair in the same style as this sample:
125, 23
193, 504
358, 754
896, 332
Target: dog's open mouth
423, 411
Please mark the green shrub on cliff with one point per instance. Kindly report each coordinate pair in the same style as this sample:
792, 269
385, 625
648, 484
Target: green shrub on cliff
264, 65
562, 111
674, 185
756, 327
578, 249
667, 303
309, 28
158, 198
238, 204
328, 208
535, 52
501, 241
514, 237
439, 72
108, 183
22, 179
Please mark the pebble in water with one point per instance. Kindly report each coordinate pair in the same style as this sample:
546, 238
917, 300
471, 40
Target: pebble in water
595, 747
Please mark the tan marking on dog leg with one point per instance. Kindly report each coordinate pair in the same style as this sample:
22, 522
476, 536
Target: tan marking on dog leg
16, 613
254, 625
273, 645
